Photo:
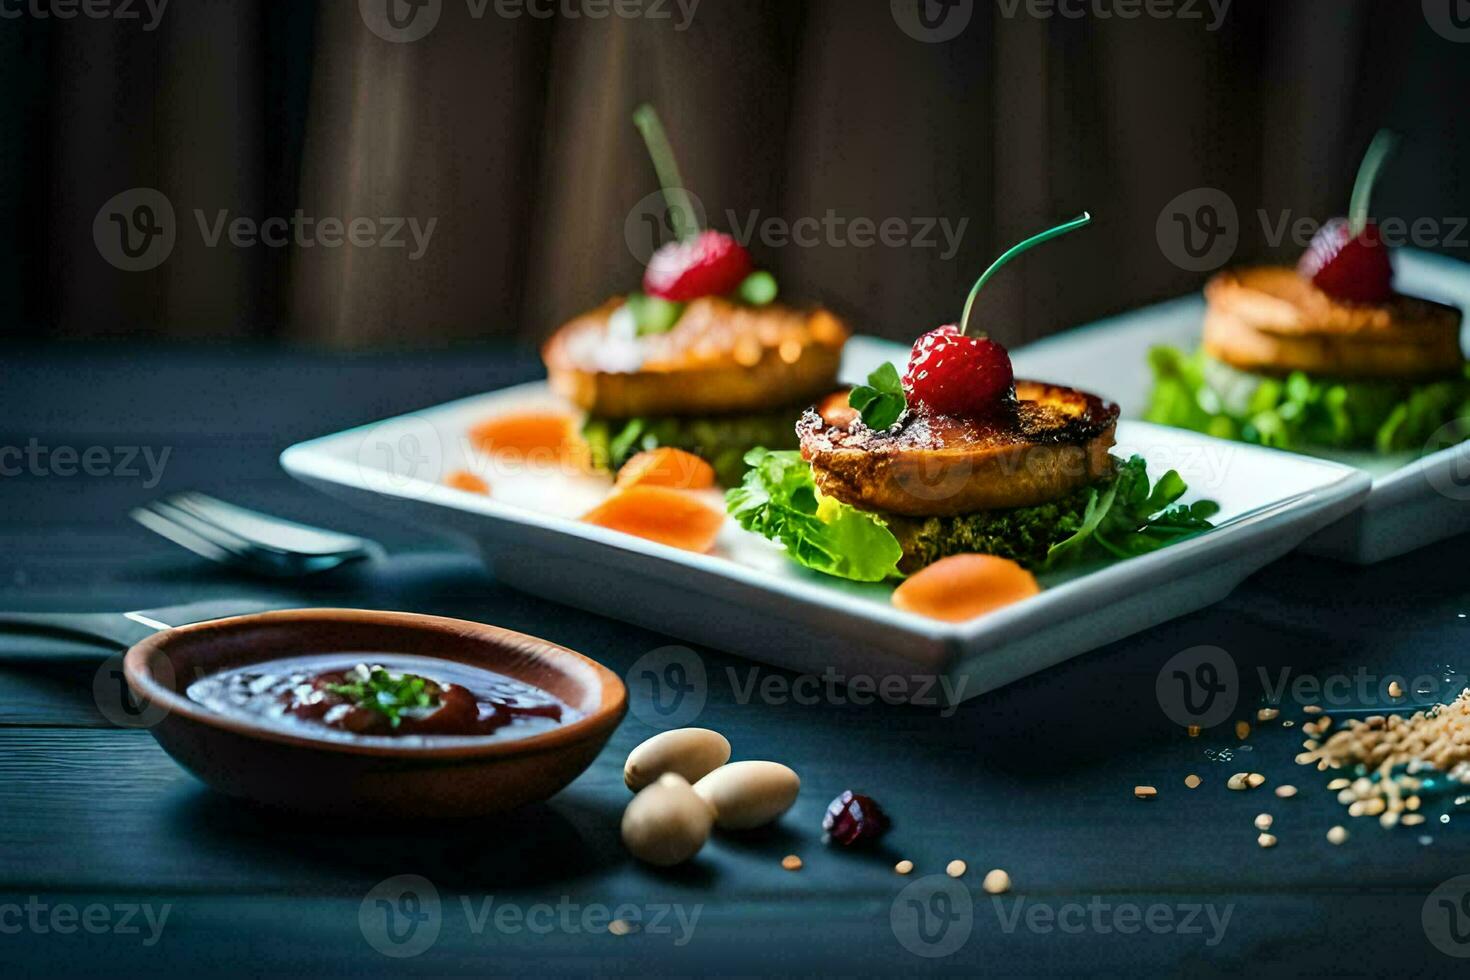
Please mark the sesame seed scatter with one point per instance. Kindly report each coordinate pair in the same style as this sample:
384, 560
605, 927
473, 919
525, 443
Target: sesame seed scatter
1395, 751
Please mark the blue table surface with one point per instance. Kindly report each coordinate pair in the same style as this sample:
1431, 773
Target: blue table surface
113, 861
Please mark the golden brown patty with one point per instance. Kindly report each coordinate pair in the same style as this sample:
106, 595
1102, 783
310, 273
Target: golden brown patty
936, 465
721, 357
1271, 320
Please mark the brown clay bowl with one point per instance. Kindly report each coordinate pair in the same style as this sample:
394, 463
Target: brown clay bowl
371, 781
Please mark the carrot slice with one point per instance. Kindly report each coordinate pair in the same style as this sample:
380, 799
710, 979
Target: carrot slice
671, 517
467, 481
532, 436
962, 587
666, 467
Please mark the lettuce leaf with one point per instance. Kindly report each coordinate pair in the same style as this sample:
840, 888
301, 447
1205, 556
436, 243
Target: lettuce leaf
779, 500
1194, 391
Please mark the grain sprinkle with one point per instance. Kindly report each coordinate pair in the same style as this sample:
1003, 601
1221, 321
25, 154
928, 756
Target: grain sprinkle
1192, 781
1145, 792
1286, 791
956, 868
791, 862
1393, 751
1266, 840
904, 867
996, 882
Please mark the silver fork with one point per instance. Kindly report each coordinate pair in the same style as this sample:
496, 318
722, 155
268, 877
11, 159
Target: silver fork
260, 543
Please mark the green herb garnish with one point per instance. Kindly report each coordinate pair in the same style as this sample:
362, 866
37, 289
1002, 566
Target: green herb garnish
1131, 517
653, 315
390, 695
758, 289
881, 401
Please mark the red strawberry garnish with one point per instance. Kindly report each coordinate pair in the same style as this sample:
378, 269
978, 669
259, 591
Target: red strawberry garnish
1352, 268
710, 264
956, 375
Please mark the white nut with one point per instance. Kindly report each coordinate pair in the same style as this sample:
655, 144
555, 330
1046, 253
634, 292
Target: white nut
689, 752
749, 794
666, 823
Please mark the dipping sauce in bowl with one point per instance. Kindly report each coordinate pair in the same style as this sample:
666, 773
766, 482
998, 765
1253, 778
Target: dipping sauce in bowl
364, 716
376, 695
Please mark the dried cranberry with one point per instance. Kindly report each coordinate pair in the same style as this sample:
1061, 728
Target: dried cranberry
852, 818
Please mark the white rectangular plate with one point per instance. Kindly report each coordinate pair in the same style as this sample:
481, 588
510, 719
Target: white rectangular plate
747, 598
1415, 501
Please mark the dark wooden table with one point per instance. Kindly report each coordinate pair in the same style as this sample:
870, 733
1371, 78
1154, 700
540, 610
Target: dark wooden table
99, 830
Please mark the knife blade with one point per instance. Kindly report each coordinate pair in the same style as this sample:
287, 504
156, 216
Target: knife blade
123, 629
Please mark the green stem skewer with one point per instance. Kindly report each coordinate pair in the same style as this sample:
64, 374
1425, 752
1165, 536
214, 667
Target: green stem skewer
1077, 222
1383, 144
681, 211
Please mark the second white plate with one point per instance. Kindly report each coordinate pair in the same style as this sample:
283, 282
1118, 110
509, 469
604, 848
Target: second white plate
1415, 501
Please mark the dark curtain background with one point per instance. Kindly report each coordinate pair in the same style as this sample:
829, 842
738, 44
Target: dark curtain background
515, 136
